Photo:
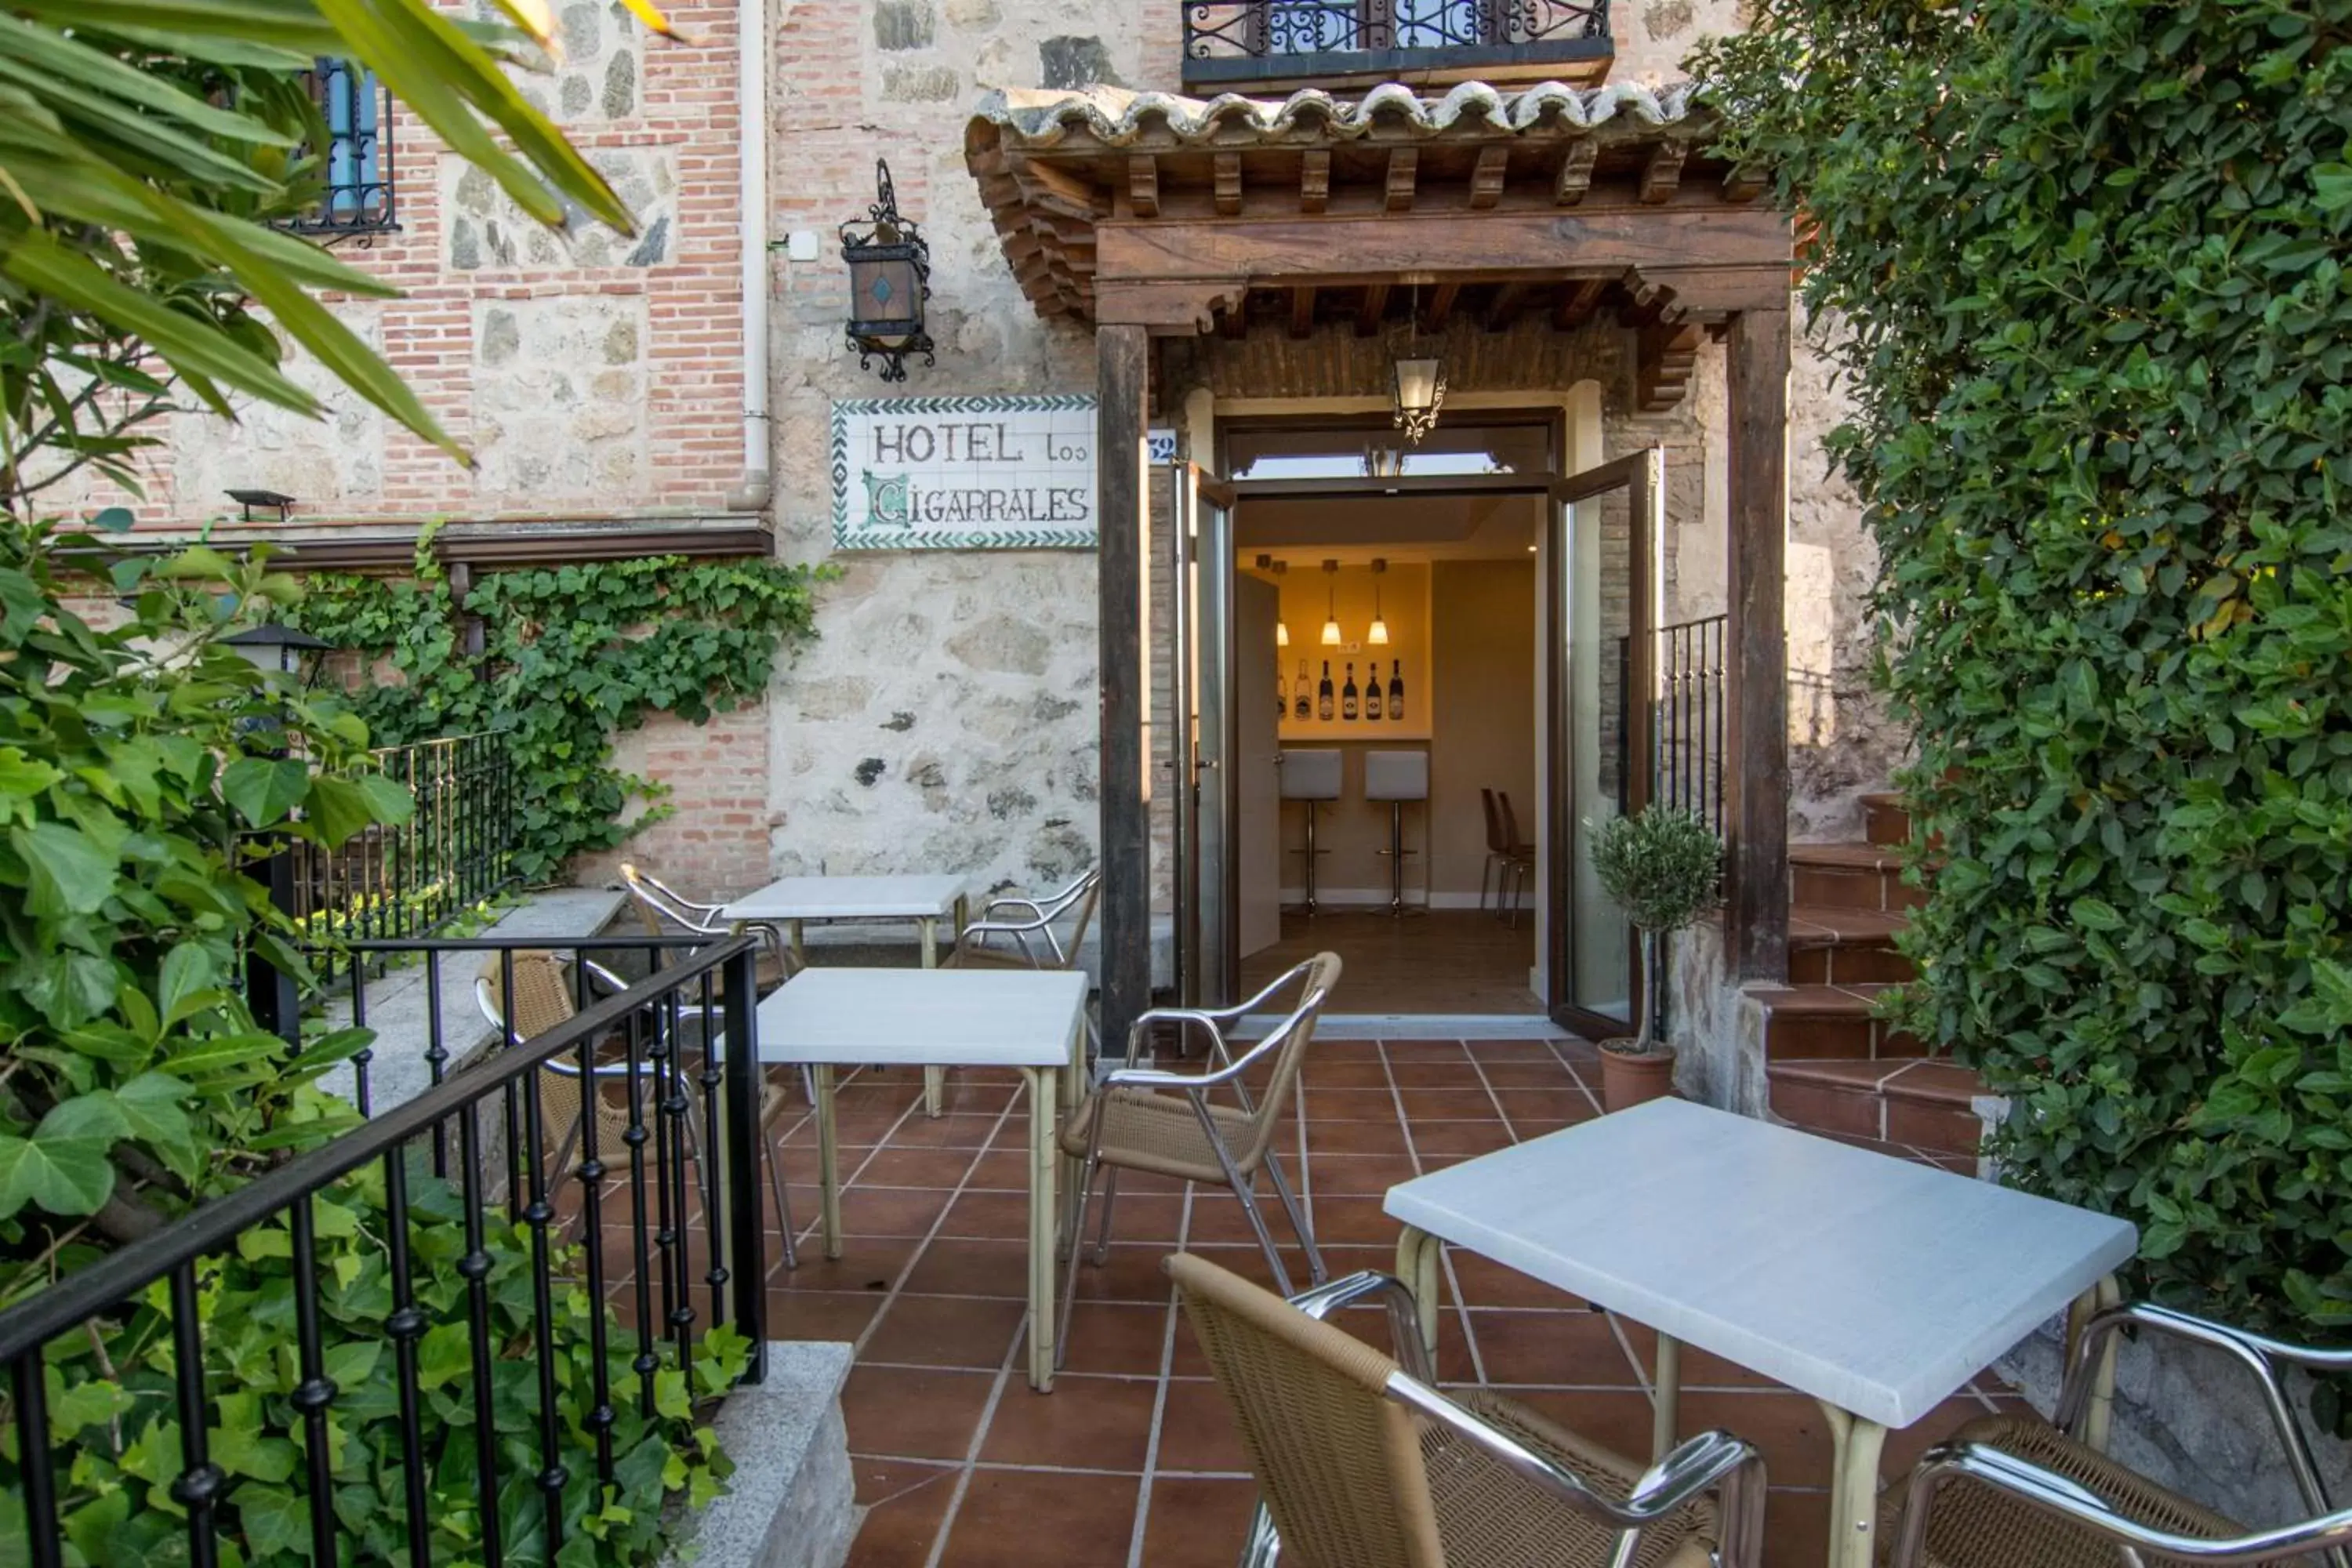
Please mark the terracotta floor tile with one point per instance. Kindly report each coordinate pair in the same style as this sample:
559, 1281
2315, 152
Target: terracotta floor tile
1574, 1347
1152, 1218
1789, 1427
1132, 1273
892, 1211
1617, 1420
987, 1212
1355, 1137
866, 1263
1126, 1337
1353, 1221
906, 1503
1460, 1137
1572, 1103
1457, 1072
1349, 1104
1486, 1283
1087, 1423
1469, 1104
945, 1132
1025, 1518
801, 1170
1197, 1431
914, 1413
945, 1331
1352, 1073
1489, 1052
1196, 1521
820, 1314
896, 1167
1358, 1175
1403, 1051
1544, 1073
1796, 1528
956, 1267
1002, 1170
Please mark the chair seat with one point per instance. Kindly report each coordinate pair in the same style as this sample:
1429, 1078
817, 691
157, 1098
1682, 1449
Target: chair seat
1974, 1526
1490, 1517
1161, 1134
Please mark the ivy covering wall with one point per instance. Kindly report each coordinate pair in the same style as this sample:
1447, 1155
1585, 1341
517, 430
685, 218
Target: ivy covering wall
569, 656
2089, 261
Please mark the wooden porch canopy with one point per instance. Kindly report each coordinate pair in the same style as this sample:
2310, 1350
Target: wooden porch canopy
1151, 214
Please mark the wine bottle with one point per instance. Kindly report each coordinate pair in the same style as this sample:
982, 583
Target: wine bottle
1298, 693
1396, 691
1347, 697
1323, 694
1372, 693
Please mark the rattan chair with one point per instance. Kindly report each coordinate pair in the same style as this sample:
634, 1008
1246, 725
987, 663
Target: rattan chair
1361, 1463
1033, 940
1147, 1119
544, 1000
2015, 1493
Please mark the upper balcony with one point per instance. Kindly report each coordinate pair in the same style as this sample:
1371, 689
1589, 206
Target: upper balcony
1260, 45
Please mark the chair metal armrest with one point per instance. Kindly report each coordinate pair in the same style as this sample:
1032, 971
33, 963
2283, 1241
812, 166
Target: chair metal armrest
1405, 1313
1184, 1018
1242, 1009
1160, 1078
2259, 1354
1712, 1461
2070, 1500
1010, 900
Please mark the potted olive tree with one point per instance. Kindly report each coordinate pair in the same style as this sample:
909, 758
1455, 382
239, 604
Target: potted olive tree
1661, 866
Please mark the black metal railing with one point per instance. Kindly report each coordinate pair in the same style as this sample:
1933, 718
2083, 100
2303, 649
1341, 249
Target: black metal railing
356, 162
406, 1202
1239, 41
1688, 725
452, 854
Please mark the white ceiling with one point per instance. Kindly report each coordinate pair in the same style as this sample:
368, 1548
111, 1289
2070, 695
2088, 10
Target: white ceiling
1353, 530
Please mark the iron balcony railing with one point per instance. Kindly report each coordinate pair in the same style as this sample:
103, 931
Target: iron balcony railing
1241, 43
1686, 717
679, 1237
452, 854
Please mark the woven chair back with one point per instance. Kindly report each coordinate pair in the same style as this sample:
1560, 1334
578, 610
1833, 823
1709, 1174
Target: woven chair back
543, 1001
1337, 1462
1297, 1032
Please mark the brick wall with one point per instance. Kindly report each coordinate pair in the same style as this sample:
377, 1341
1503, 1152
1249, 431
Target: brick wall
713, 844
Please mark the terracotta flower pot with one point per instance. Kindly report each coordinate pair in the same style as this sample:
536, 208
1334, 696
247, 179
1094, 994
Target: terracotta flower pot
1628, 1080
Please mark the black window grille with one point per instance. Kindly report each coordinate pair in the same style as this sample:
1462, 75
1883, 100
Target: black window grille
358, 164
1240, 40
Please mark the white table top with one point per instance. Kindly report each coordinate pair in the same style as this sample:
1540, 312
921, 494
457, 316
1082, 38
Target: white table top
926, 1017
1872, 1283
850, 899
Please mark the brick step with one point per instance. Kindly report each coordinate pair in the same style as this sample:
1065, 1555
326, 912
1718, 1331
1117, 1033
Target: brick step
1831, 1022
1916, 1104
1829, 946
1884, 820
1849, 877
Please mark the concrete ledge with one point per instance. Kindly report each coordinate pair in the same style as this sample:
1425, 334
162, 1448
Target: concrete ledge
790, 1502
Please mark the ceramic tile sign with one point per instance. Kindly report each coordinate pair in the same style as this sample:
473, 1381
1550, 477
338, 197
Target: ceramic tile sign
964, 473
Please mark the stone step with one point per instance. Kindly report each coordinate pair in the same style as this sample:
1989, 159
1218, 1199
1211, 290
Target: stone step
1885, 821
1849, 877
1830, 1023
1831, 946
1924, 1104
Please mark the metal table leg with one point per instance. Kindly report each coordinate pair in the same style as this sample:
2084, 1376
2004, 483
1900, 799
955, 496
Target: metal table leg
1418, 1254
1855, 1445
935, 1077
2098, 1420
1045, 1158
828, 1162
1665, 1398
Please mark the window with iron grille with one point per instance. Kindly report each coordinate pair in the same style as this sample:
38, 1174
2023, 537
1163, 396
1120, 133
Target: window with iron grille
357, 166
1269, 40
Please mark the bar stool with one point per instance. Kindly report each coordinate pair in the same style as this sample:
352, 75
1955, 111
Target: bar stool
1312, 777
1396, 777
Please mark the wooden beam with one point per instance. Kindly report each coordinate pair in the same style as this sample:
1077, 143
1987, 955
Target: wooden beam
1143, 184
1441, 305
1486, 177
1575, 176
1743, 183
1404, 165
1302, 311
1756, 760
1663, 176
1122, 374
1503, 309
1228, 173
1374, 307
1664, 355
1314, 180
1578, 301
1745, 250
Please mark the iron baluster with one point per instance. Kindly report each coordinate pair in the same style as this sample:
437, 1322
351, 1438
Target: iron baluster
39, 1474
591, 1223
198, 1485
406, 1326
474, 1268
667, 1206
715, 1199
436, 1054
360, 1059
677, 1110
745, 1092
316, 1391
636, 1137
538, 1214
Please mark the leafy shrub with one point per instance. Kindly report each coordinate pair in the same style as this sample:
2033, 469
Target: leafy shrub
111, 1402
572, 654
2089, 262
1662, 867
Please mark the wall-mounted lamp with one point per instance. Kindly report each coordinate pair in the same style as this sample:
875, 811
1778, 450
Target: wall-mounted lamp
276, 500
1379, 635
889, 280
1331, 638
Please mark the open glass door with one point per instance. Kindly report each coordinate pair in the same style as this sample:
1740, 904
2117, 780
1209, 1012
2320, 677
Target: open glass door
1601, 591
1207, 739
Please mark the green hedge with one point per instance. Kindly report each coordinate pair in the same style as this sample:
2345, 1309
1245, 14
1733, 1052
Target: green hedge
2089, 259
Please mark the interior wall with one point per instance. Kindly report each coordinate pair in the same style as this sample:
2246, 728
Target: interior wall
1482, 706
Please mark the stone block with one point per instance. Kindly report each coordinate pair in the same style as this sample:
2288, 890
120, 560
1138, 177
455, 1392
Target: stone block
792, 1502
901, 25
905, 81
331, 462
1073, 62
486, 229
559, 403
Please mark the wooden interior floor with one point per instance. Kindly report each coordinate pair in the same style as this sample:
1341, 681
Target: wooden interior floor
1447, 961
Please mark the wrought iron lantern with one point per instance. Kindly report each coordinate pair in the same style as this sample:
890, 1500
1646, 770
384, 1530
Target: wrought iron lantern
889, 280
275, 648
1420, 391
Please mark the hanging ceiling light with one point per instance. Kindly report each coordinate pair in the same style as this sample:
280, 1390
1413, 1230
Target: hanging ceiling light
1379, 635
1420, 388
1281, 626
1331, 622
